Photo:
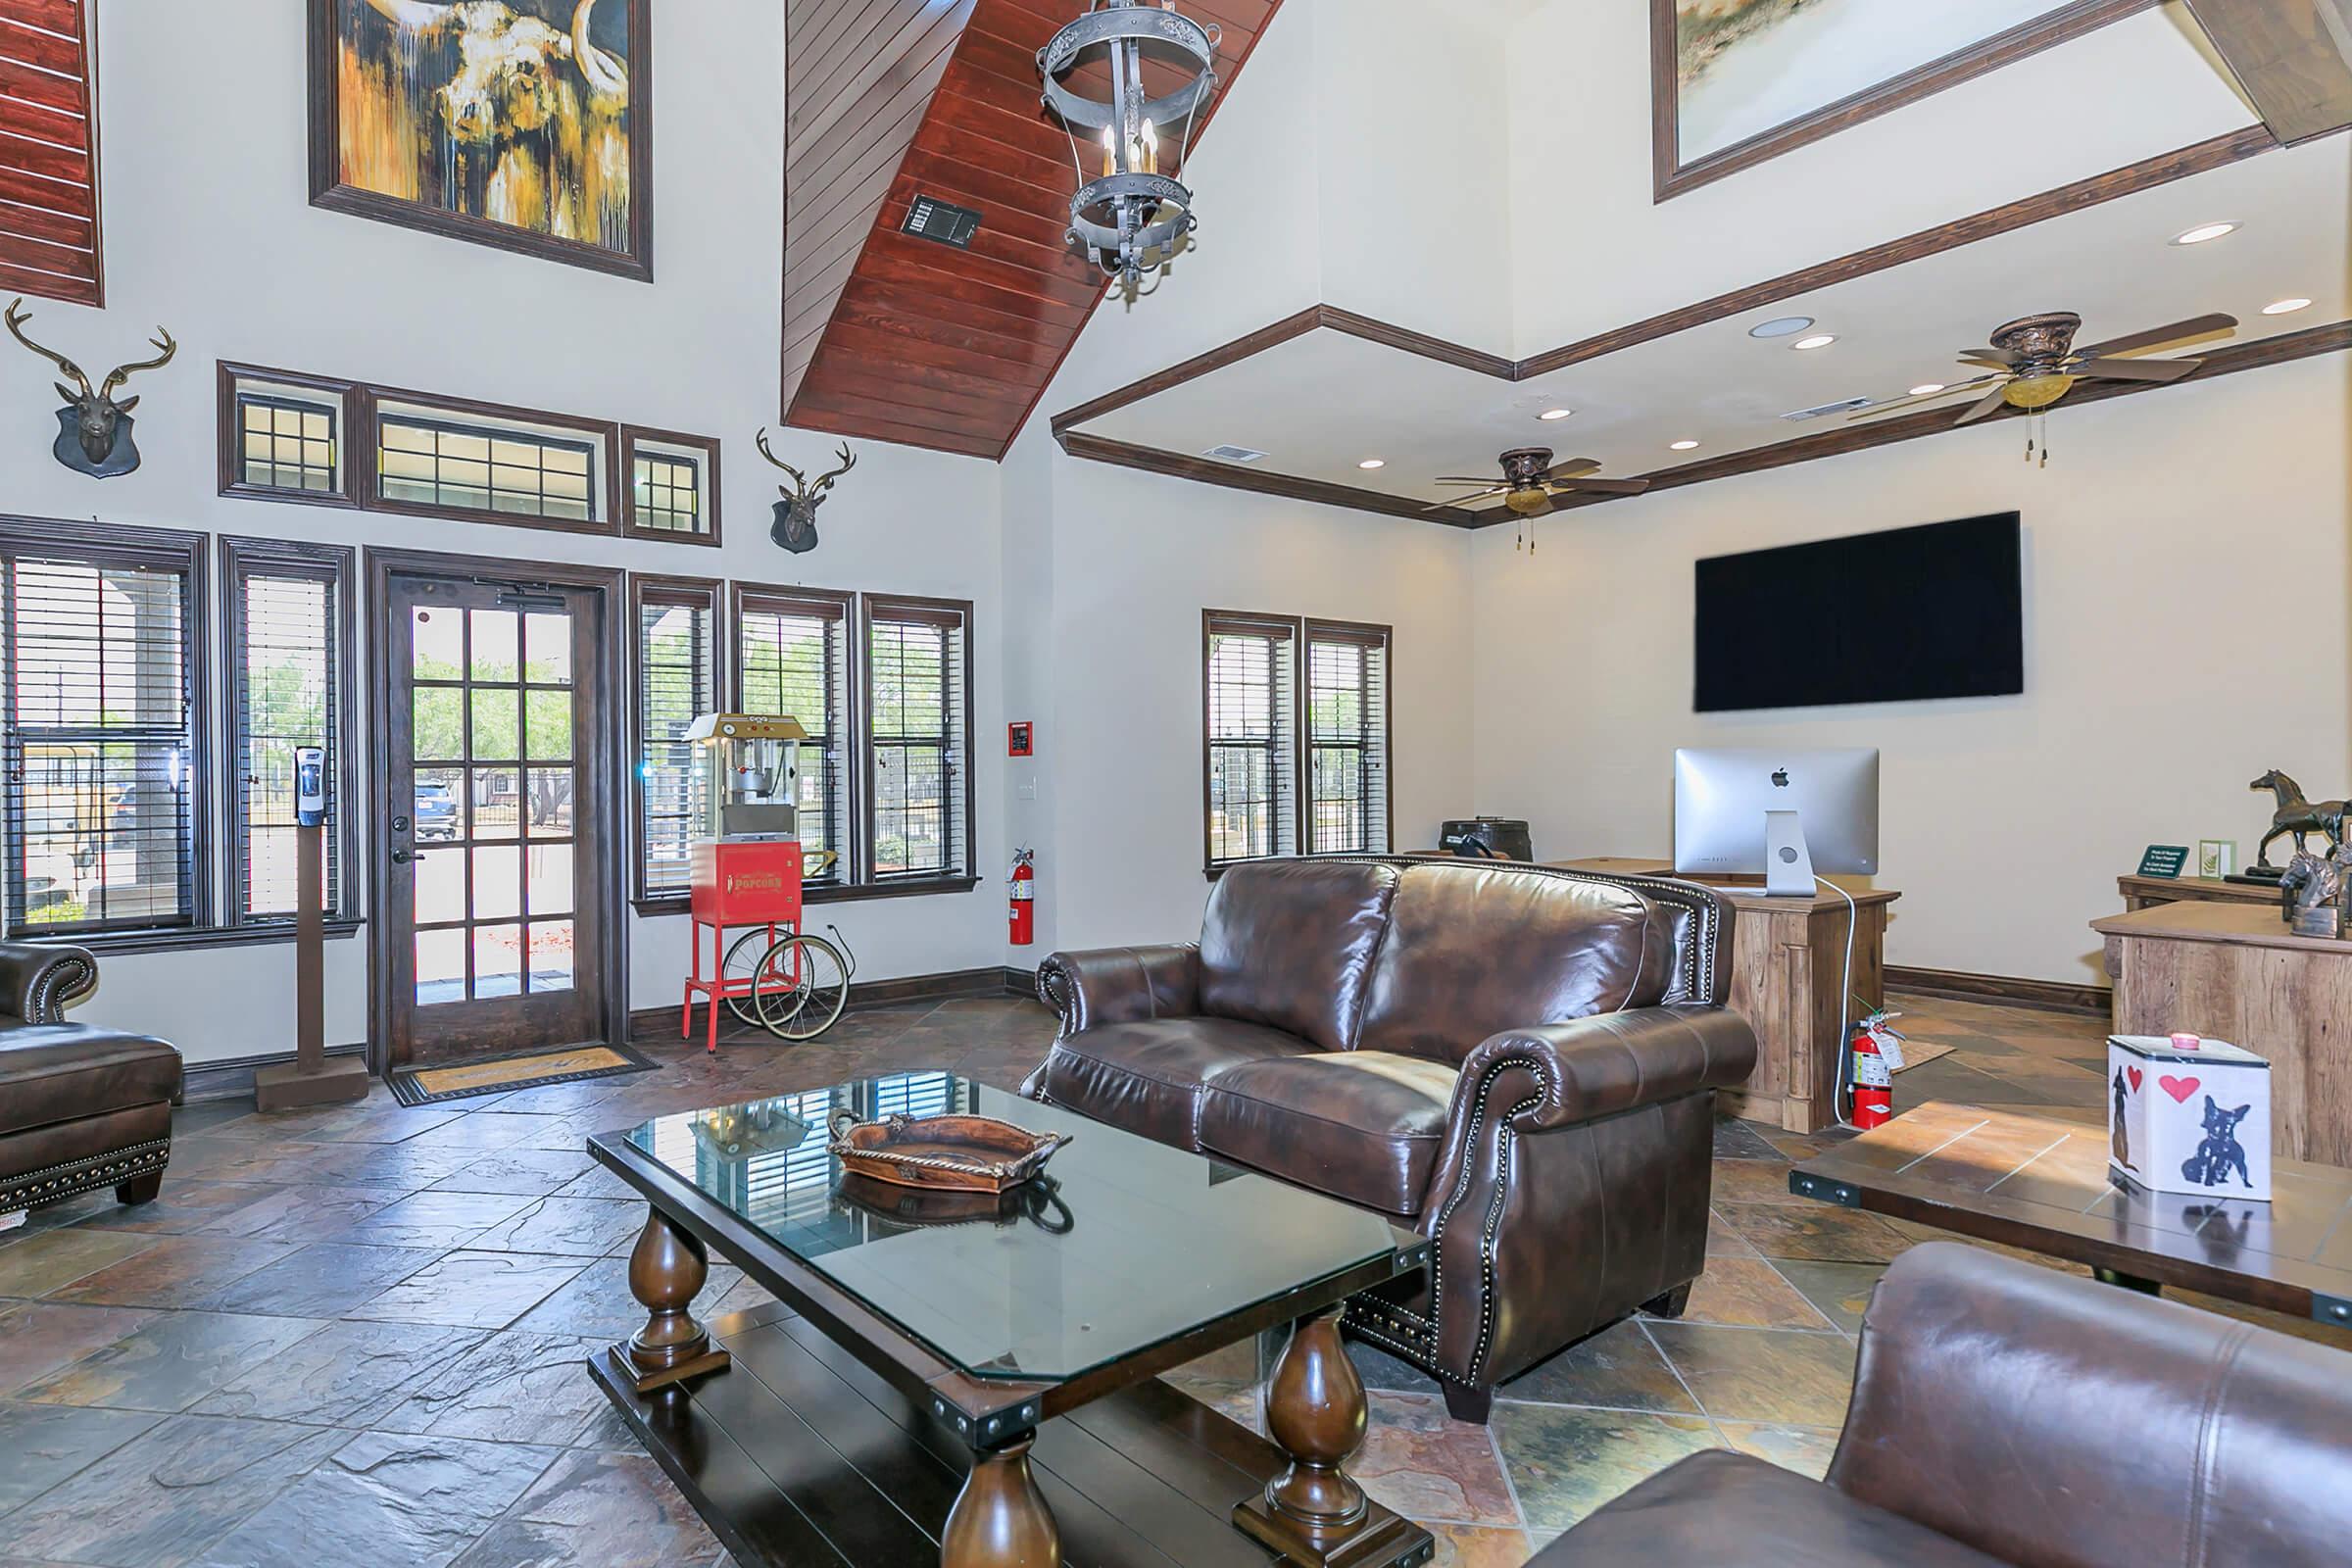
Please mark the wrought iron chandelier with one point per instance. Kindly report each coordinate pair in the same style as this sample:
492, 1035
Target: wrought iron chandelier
1133, 218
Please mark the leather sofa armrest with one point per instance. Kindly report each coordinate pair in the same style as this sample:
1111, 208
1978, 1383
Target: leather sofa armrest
2045, 1418
1607, 1063
1121, 985
38, 980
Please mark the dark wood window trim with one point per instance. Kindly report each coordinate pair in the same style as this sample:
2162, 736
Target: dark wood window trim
705, 447
162, 550
955, 616
1292, 830
335, 565
602, 434
702, 594
1671, 176
233, 378
1380, 749
840, 728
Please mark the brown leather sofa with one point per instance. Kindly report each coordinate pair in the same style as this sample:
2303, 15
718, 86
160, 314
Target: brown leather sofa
80, 1107
1520, 1061
2005, 1413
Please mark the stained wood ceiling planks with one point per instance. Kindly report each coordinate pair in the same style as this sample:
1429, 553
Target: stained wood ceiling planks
48, 153
908, 341
2292, 57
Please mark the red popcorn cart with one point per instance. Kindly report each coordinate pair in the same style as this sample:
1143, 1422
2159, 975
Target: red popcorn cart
747, 869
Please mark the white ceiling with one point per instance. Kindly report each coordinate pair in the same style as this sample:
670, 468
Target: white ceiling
1320, 404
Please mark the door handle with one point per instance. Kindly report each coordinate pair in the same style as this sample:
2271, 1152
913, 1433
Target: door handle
400, 856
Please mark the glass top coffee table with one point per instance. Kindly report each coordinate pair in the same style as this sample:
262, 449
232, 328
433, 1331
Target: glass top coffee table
970, 1321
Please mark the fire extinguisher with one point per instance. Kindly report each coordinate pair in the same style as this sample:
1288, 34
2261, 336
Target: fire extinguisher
1877, 1053
1023, 910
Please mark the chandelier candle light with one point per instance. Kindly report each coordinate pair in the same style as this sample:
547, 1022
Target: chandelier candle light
1134, 218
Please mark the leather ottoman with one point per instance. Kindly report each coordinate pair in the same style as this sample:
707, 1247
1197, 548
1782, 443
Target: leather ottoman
80, 1107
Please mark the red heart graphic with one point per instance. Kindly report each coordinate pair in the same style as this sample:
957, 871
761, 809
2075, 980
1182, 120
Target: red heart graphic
2180, 1088
2136, 1077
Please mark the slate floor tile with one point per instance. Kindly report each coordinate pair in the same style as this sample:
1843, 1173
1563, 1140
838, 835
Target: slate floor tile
163, 1497
346, 1375
187, 1203
42, 1261
1750, 1293
44, 1443
441, 1220
1381, 1370
531, 1172
1841, 1290
175, 1269
1619, 1368
1820, 1231
170, 1362
580, 1227
307, 1214
1424, 1466
38, 1338
1803, 1450
473, 1289
597, 1510
596, 1303
1476, 1546
511, 1388
1773, 1376
1564, 1463
385, 1498
325, 1279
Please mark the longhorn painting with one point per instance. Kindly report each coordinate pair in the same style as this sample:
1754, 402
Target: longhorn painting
521, 123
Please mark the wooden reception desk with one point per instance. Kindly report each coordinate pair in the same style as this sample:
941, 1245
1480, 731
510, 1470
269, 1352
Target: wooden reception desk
1788, 961
2235, 972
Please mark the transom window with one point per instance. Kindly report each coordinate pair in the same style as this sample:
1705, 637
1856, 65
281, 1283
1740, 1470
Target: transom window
469, 468
673, 486
286, 445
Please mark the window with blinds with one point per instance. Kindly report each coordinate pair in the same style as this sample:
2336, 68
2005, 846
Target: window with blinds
1253, 762
288, 657
791, 657
97, 650
678, 656
1346, 728
918, 738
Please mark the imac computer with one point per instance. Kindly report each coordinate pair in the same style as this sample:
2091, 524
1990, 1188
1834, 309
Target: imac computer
1785, 813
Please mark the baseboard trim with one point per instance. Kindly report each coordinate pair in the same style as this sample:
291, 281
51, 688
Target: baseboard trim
953, 985
232, 1079
1958, 985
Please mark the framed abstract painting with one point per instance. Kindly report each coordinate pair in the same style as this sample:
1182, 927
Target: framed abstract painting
1733, 83
526, 125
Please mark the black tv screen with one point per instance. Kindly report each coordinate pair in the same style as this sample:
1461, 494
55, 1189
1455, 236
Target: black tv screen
1905, 615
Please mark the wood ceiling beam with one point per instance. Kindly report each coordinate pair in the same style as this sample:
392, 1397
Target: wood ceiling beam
2293, 58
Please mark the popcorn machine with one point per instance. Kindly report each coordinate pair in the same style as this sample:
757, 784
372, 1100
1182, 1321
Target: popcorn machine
747, 865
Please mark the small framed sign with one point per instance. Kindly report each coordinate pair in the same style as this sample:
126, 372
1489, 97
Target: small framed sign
2217, 857
2164, 859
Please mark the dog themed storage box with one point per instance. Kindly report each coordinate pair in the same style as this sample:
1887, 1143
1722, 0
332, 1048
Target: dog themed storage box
2189, 1116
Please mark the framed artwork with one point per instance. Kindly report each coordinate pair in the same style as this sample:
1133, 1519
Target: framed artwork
1733, 83
526, 125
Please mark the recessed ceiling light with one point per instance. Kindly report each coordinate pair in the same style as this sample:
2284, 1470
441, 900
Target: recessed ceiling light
1562, 413
1373, 462
1780, 326
2203, 232
2284, 307
1926, 388
1819, 340
1683, 445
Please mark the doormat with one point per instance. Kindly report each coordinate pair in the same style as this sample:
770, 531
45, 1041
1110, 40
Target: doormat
430, 1086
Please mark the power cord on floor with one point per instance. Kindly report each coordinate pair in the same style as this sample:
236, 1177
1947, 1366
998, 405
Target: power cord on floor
1845, 1099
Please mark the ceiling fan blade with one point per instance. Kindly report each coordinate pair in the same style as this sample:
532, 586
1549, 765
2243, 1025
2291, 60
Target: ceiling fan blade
1486, 480
1572, 468
1952, 391
2001, 356
2194, 326
1462, 501
1989, 403
1603, 487
2137, 369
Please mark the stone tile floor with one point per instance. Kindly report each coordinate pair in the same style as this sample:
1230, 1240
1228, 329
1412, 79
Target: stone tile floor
352, 1335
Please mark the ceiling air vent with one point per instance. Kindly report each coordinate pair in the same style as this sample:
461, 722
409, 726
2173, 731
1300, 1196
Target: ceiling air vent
1847, 405
1233, 454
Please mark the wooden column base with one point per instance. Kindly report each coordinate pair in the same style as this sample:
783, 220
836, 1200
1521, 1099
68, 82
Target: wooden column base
1380, 1539
620, 1366
666, 1271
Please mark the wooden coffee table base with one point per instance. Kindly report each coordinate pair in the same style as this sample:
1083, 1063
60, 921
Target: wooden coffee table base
1313, 1513
668, 1269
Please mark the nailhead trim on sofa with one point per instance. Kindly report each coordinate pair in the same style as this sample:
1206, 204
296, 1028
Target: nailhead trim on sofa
80, 1176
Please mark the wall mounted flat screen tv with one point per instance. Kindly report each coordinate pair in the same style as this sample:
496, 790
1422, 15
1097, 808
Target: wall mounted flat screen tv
1906, 615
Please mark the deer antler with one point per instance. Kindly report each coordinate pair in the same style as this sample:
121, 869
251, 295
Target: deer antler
848, 460
761, 441
17, 316
123, 372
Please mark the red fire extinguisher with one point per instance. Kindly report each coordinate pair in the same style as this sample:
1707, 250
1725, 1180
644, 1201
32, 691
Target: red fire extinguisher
1023, 906
1878, 1052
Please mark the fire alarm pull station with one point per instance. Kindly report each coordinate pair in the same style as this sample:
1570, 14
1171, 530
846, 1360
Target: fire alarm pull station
1020, 739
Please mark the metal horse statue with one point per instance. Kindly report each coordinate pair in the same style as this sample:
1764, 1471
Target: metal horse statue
93, 434
794, 527
2298, 816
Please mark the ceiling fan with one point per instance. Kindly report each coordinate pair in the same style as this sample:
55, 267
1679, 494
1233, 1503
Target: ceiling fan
2032, 363
1531, 481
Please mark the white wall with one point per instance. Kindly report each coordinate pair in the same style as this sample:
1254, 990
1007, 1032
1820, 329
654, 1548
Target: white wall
2187, 568
208, 230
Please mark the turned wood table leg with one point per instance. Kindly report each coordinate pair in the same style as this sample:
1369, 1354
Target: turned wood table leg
1314, 1513
666, 1271
1000, 1519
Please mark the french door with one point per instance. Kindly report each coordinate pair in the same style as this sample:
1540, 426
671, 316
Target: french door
497, 826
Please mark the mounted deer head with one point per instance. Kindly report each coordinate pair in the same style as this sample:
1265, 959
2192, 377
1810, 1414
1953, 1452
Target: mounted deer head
794, 527
94, 433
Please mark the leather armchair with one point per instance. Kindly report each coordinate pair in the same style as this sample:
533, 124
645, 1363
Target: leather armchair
81, 1107
1519, 1060
2005, 1413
